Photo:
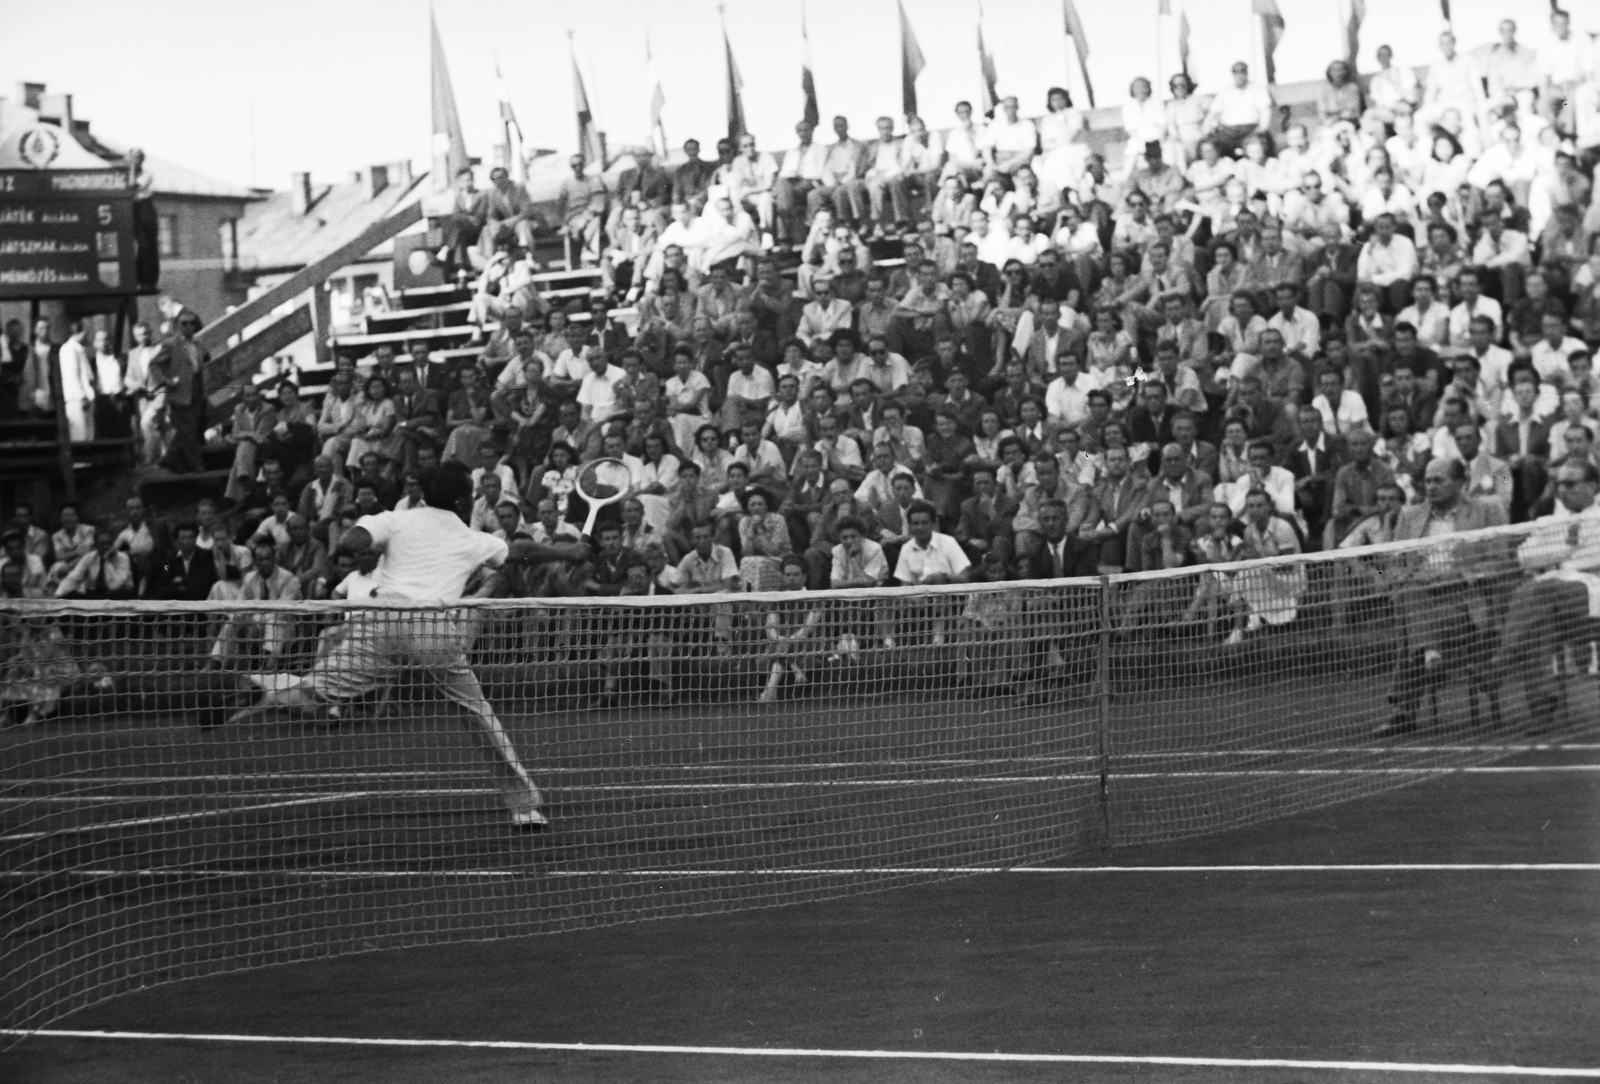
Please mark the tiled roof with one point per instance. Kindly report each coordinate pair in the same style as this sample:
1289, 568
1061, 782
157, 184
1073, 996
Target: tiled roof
171, 179
273, 236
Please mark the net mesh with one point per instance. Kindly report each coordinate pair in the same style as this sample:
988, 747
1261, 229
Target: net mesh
707, 753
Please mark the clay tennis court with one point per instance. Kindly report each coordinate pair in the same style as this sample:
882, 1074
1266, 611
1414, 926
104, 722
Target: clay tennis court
1441, 926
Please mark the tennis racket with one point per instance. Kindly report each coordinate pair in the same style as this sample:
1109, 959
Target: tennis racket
603, 482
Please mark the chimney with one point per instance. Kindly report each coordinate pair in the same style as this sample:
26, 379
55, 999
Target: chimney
377, 181
400, 174
300, 192
56, 107
28, 94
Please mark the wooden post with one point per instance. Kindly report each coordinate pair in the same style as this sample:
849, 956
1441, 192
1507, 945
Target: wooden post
322, 323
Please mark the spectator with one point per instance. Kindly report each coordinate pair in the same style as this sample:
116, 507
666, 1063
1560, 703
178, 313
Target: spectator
1431, 593
103, 573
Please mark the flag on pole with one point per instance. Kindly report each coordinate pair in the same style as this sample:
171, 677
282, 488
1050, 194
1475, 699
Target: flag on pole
590, 147
1074, 27
1271, 33
658, 98
449, 145
911, 64
988, 96
808, 84
1358, 15
1183, 33
508, 123
1183, 41
736, 126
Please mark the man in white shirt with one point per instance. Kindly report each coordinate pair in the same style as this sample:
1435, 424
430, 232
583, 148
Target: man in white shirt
1472, 304
430, 556
1391, 88
1503, 254
1454, 82
1551, 355
1388, 261
728, 233
1385, 196
1010, 141
597, 394
926, 559
1300, 328
801, 172
1508, 161
77, 383
1562, 603
1563, 63
685, 232
882, 173
1066, 400
750, 180
963, 146
1238, 112
824, 314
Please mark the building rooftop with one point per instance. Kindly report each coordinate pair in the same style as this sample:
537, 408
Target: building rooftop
286, 230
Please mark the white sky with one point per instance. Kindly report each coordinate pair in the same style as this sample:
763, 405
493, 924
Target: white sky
335, 85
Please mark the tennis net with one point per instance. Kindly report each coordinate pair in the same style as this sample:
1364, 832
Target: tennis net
711, 753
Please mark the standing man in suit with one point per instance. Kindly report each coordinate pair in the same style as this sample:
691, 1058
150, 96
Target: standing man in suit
1523, 440
1314, 460
188, 574
178, 366
1435, 592
1063, 618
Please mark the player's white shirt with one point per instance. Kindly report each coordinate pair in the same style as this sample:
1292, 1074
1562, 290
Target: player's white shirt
358, 585
943, 556
429, 554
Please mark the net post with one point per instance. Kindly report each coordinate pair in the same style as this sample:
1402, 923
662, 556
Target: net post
1103, 723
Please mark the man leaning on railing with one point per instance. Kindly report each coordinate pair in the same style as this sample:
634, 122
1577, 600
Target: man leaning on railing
1444, 596
1561, 605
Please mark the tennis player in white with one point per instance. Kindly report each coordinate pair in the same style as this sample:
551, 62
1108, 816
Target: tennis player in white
430, 555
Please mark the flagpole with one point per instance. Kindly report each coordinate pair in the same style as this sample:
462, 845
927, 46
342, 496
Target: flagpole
1155, 91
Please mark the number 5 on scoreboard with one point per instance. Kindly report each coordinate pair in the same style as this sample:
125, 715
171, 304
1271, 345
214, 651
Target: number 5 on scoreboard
105, 214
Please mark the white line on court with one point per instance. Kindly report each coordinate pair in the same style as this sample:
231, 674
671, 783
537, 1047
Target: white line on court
805, 1052
1170, 754
199, 873
724, 786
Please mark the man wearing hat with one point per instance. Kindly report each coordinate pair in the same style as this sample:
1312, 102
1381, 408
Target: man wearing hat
1162, 183
176, 368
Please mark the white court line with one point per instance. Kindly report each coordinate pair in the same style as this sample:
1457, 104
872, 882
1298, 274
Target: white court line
865, 871
734, 785
1052, 758
1442, 1068
1175, 754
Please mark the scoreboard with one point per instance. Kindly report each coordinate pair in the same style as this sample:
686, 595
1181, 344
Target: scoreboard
65, 233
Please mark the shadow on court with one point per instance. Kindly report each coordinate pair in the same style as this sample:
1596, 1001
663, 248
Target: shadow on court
1470, 967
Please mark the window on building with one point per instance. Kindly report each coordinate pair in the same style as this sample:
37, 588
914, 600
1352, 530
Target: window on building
167, 226
228, 234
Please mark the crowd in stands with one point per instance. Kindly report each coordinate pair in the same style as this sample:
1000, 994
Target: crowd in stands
997, 358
